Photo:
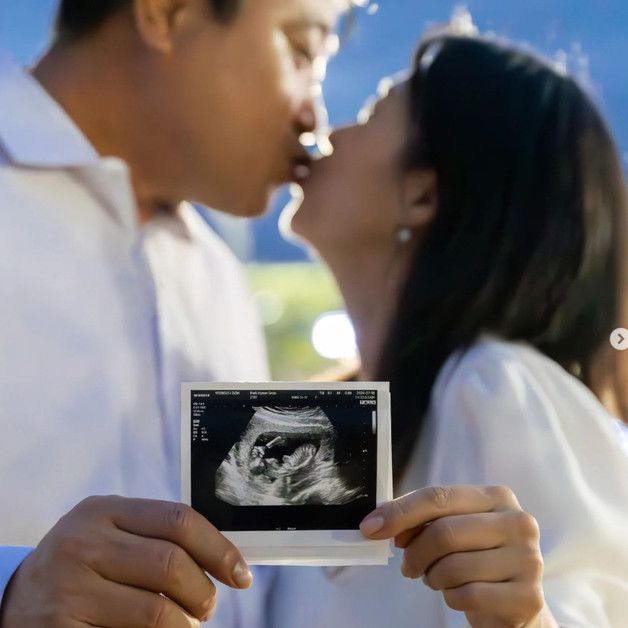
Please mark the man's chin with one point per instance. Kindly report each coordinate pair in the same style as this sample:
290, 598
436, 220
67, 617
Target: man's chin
258, 205
243, 208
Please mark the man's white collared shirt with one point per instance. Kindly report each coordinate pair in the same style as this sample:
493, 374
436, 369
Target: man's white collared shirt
100, 320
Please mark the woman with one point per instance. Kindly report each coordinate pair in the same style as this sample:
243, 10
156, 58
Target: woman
476, 225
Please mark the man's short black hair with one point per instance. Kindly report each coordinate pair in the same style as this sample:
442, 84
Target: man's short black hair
77, 18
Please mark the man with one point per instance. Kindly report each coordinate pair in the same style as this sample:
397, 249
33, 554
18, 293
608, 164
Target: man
113, 292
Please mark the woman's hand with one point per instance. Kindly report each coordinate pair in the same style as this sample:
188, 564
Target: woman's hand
474, 544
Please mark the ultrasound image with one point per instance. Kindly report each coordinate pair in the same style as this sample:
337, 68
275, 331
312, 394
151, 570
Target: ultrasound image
286, 457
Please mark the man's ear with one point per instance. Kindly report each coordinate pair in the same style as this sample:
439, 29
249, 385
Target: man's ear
420, 199
156, 21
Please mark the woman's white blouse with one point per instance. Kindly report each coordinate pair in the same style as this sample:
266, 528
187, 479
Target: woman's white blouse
504, 414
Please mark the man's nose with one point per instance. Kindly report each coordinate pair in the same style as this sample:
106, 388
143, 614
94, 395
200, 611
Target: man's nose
312, 114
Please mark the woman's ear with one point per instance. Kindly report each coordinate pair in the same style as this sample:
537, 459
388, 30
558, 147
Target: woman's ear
420, 199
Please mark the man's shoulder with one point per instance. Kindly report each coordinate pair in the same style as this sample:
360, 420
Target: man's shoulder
45, 185
48, 200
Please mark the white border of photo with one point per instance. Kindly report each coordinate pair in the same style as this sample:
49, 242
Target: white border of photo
333, 548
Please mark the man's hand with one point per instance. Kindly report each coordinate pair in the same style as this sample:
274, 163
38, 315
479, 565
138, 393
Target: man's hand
115, 562
474, 544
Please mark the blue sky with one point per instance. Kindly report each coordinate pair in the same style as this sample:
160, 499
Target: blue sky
596, 30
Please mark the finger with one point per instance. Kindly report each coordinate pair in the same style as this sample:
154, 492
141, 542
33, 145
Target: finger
497, 565
182, 525
158, 566
114, 605
403, 540
428, 504
512, 602
462, 533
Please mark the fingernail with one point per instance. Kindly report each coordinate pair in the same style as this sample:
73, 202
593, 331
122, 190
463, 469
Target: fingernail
372, 524
242, 575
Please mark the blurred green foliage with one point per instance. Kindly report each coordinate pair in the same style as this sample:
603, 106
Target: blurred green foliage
291, 297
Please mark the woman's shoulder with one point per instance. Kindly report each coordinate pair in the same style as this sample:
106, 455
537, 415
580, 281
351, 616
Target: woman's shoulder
515, 379
497, 359
503, 413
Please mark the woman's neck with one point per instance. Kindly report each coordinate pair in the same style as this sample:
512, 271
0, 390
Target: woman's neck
369, 284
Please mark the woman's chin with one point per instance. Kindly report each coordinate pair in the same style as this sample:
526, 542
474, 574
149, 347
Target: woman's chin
295, 221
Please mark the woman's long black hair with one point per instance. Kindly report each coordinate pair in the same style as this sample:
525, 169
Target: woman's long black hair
531, 210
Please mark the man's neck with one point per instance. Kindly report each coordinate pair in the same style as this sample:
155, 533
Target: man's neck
95, 92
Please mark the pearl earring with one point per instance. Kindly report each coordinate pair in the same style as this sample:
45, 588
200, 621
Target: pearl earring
404, 235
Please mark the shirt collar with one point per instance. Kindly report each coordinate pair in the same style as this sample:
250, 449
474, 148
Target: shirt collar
34, 130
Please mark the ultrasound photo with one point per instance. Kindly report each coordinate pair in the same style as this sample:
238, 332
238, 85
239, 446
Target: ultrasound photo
282, 458
287, 456
288, 470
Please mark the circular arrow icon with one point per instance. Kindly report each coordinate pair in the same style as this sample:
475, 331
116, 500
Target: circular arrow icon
619, 339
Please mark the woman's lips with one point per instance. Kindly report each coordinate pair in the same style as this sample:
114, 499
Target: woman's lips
301, 172
301, 168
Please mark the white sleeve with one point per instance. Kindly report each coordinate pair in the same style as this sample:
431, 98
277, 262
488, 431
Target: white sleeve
10, 559
496, 421
244, 609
